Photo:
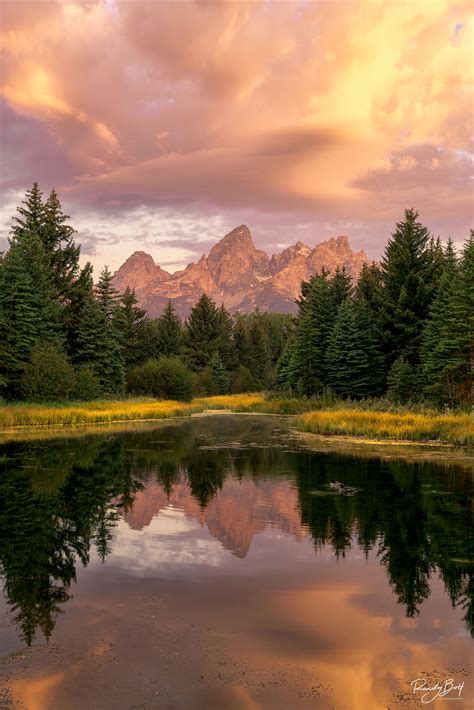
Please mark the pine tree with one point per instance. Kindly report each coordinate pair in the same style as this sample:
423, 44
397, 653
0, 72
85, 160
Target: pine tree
202, 333
59, 244
448, 340
108, 297
370, 287
226, 347
284, 375
29, 316
353, 362
241, 342
402, 380
341, 286
260, 358
409, 269
219, 374
32, 215
134, 323
169, 334
314, 324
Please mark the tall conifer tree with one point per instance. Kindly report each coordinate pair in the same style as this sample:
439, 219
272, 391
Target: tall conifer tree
410, 270
202, 333
169, 332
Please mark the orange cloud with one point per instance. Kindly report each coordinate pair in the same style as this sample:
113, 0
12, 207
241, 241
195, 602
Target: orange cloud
304, 107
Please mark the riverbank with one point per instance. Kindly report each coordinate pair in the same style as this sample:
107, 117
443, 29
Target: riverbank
346, 420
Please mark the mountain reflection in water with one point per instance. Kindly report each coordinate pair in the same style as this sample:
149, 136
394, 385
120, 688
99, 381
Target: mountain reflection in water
63, 499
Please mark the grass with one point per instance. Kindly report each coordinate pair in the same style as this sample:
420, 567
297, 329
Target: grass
450, 428
105, 411
318, 417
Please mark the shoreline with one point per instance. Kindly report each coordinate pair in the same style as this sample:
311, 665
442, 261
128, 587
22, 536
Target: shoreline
347, 425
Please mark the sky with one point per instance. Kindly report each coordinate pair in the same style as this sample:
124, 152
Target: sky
163, 125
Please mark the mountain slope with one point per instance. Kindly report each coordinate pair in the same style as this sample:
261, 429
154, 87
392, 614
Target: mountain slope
236, 274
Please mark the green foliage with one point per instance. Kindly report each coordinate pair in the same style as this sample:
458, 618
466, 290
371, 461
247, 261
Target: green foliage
353, 361
134, 327
314, 325
169, 336
448, 340
48, 376
87, 385
260, 363
219, 374
202, 333
164, 378
225, 341
29, 315
403, 381
241, 380
203, 383
410, 271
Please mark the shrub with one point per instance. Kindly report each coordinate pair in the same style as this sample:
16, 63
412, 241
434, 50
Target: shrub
165, 378
242, 380
48, 375
203, 383
87, 385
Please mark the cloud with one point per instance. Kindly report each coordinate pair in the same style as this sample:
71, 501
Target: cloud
321, 113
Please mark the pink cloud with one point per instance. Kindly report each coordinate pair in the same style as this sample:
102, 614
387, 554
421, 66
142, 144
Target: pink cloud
298, 113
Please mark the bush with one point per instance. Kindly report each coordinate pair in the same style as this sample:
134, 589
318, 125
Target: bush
48, 375
242, 380
87, 385
165, 378
203, 383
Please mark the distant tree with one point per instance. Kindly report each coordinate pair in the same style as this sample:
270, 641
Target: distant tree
314, 324
260, 357
242, 343
166, 378
29, 315
87, 385
448, 340
134, 325
97, 344
219, 374
410, 269
202, 333
241, 380
169, 332
225, 341
31, 217
351, 357
48, 375
403, 381
61, 249
341, 286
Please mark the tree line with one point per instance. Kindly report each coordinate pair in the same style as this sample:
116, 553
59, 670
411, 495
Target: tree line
404, 328
62, 337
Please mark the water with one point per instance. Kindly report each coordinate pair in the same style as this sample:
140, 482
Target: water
207, 564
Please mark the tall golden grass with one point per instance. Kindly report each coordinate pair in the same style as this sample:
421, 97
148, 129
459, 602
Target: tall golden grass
106, 411
340, 420
450, 428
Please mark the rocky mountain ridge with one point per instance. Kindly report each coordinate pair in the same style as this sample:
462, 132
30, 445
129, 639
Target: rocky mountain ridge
236, 274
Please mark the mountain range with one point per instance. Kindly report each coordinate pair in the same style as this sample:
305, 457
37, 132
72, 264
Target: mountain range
236, 274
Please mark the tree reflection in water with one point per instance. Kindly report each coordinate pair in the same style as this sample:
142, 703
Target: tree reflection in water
60, 498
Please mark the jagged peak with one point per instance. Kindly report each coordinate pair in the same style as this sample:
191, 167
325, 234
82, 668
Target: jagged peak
139, 256
239, 236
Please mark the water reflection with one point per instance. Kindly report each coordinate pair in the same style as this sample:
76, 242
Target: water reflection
60, 499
